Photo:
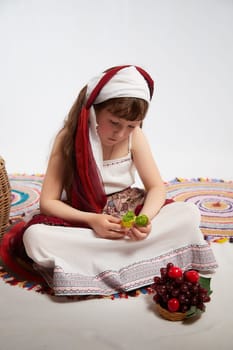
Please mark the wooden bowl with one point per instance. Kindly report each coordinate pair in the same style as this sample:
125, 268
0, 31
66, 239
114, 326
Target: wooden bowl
171, 316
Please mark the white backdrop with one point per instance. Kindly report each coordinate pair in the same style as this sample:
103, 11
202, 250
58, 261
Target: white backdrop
49, 50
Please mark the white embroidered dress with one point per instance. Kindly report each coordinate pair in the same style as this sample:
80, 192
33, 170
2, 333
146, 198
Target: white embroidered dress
74, 261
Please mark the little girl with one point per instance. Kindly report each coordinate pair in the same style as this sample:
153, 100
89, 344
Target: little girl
78, 242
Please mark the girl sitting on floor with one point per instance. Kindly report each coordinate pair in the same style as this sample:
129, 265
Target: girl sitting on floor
78, 243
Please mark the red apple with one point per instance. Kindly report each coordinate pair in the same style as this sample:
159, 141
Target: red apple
173, 305
175, 272
192, 276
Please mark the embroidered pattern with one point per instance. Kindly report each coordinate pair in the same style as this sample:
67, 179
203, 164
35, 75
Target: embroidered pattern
117, 161
119, 203
131, 277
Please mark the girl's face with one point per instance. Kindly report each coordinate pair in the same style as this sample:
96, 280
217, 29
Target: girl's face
112, 129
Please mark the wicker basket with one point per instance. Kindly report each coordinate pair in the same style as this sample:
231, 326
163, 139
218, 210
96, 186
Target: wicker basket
171, 316
5, 198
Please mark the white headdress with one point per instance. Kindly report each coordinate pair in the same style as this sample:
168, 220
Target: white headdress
127, 82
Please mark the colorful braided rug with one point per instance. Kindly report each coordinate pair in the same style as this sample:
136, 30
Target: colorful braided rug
25, 194
213, 197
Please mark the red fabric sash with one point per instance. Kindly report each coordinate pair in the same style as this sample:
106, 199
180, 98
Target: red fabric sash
87, 188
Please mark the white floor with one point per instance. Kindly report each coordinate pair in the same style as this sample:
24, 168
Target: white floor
32, 321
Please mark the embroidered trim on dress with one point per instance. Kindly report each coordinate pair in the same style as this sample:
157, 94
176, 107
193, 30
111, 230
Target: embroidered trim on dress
117, 161
131, 277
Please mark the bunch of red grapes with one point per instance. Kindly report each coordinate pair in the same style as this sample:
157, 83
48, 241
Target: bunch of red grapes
178, 291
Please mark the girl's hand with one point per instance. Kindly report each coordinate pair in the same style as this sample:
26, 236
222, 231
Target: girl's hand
107, 226
138, 233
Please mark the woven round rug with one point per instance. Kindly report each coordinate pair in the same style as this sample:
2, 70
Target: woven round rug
25, 194
214, 198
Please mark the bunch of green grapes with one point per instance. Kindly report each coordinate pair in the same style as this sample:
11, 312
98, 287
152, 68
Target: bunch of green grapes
129, 219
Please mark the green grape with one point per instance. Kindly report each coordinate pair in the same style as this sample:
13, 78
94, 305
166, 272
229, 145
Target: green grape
128, 219
141, 220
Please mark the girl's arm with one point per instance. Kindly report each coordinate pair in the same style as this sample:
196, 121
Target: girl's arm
105, 226
149, 174
50, 199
